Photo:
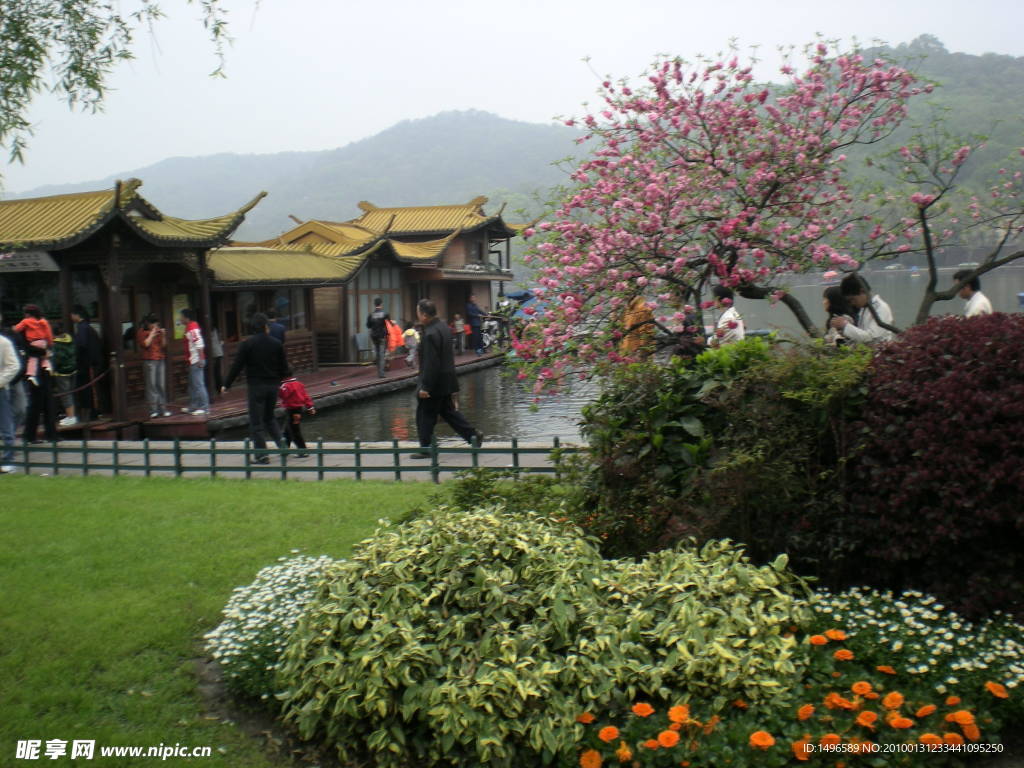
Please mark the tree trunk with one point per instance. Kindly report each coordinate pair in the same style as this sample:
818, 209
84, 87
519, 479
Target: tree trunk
791, 301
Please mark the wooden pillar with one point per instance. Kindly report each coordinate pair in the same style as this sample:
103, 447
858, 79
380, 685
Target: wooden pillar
204, 319
112, 332
311, 322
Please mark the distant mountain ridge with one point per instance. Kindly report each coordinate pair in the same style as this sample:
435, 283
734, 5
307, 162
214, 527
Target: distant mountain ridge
451, 157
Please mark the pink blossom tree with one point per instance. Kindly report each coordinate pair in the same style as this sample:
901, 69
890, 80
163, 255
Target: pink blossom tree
699, 176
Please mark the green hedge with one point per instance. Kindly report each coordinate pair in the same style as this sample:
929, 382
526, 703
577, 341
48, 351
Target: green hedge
477, 637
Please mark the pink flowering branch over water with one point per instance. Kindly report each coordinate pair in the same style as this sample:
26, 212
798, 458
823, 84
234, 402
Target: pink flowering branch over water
702, 176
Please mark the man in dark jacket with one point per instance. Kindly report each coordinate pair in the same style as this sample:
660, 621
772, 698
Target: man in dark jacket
438, 382
377, 322
262, 357
475, 318
91, 400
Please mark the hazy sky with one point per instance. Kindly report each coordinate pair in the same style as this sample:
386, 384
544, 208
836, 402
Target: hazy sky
318, 74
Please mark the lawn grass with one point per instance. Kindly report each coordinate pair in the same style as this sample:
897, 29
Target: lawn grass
108, 585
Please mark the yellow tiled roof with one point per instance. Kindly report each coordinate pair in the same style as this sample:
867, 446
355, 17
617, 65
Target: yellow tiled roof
426, 219
251, 265
59, 221
426, 251
42, 221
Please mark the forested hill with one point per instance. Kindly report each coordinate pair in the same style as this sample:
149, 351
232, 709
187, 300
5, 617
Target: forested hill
451, 157
455, 156
974, 95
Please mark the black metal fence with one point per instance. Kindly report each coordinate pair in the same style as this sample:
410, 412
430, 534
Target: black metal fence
184, 458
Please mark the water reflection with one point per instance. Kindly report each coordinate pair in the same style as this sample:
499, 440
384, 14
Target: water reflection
492, 400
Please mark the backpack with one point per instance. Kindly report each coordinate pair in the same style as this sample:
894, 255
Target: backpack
64, 359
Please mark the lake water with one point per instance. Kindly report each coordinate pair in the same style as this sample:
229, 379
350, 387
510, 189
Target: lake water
492, 400
503, 409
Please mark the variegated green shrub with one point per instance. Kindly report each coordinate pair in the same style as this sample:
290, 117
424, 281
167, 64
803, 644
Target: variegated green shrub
475, 638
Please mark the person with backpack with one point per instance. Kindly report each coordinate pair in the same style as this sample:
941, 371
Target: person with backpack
296, 401
377, 321
65, 367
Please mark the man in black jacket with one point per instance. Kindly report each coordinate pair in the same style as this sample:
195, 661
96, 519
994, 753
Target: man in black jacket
438, 382
265, 365
377, 322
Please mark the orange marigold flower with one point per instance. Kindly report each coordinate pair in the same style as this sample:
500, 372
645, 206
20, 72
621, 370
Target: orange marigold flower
652, 744
952, 701
835, 701
835, 634
590, 759
679, 713
739, 704
843, 655
997, 690
710, 725
929, 738
901, 722
668, 738
971, 732
871, 695
624, 753
643, 709
867, 718
804, 712
861, 687
802, 749
963, 717
926, 710
886, 669
818, 640
952, 738
608, 734
586, 718
893, 700
761, 740
829, 739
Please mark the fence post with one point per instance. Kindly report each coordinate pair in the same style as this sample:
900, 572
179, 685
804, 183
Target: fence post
319, 458
213, 458
284, 462
116, 457
177, 457
85, 458
555, 445
247, 464
398, 461
515, 457
56, 458
475, 445
435, 467
146, 457
359, 461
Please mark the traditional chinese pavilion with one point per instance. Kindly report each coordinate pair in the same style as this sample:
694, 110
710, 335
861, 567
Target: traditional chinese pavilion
117, 255
401, 254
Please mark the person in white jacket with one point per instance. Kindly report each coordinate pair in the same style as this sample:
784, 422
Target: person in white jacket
730, 325
873, 314
970, 291
10, 367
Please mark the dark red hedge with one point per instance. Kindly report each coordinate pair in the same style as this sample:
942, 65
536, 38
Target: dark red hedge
939, 483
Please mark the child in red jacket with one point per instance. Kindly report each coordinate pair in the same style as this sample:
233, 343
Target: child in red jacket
295, 400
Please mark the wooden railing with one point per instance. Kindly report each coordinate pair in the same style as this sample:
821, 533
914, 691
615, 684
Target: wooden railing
212, 459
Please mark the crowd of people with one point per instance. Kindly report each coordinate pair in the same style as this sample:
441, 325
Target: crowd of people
49, 373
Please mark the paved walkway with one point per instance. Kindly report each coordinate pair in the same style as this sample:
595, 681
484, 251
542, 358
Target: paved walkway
388, 460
